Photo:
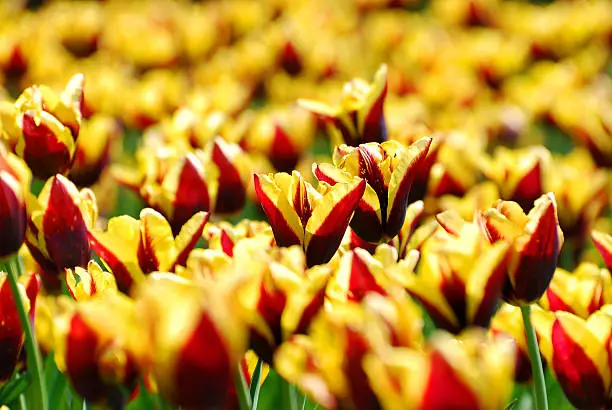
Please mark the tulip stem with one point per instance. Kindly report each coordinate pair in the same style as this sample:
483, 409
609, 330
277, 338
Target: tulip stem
12, 266
536, 362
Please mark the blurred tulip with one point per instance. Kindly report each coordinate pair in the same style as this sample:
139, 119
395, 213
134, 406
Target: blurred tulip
58, 222
603, 243
131, 248
359, 273
43, 127
328, 364
96, 354
180, 184
301, 215
14, 184
224, 236
467, 372
578, 352
11, 333
535, 243
509, 322
478, 198
282, 293
196, 339
460, 276
519, 174
359, 118
389, 170
93, 150
581, 292
283, 135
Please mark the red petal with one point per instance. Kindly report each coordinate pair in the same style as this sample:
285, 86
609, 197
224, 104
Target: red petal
232, 192
576, 372
64, 229
191, 195
44, 153
445, 389
12, 219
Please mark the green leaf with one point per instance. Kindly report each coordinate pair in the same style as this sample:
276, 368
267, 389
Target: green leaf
255, 388
16, 386
277, 393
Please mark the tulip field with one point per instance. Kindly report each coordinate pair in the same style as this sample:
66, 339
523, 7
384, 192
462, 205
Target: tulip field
306, 204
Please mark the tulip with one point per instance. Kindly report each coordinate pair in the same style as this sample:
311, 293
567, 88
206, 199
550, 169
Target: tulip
95, 354
519, 174
196, 339
535, 241
467, 372
43, 127
389, 170
359, 118
224, 236
360, 273
508, 322
14, 183
301, 215
603, 243
460, 276
582, 292
131, 248
58, 222
11, 333
93, 151
282, 293
578, 352
282, 135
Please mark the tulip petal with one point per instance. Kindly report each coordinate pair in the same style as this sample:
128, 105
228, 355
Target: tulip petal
283, 219
330, 220
400, 184
231, 195
188, 237
191, 193
157, 243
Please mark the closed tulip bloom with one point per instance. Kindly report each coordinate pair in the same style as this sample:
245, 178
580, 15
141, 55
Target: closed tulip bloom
196, 339
389, 170
603, 243
96, 354
301, 215
11, 333
131, 248
465, 372
359, 118
535, 243
43, 127
14, 184
578, 352
581, 292
460, 276
58, 222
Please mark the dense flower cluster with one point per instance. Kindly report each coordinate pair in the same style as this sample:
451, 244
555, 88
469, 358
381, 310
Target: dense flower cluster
360, 201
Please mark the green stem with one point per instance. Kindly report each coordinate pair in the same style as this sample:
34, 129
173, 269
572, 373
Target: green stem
12, 266
242, 390
536, 362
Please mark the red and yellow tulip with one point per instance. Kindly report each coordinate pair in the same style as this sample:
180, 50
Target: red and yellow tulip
535, 243
301, 215
14, 184
389, 169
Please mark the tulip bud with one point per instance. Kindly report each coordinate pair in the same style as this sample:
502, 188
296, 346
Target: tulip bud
14, 184
57, 227
535, 243
43, 127
389, 170
578, 352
